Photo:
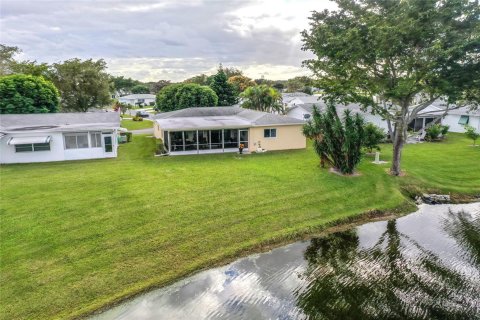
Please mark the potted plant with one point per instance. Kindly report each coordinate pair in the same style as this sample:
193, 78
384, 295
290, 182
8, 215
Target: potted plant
241, 147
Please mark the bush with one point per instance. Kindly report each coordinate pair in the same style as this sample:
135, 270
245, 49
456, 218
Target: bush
471, 133
374, 135
160, 147
337, 142
137, 118
435, 131
129, 136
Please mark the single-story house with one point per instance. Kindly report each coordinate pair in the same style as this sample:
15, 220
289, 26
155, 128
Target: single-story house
293, 99
48, 137
224, 129
304, 112
457, 119
143, 99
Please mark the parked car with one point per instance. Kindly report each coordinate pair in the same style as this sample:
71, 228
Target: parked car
143, 114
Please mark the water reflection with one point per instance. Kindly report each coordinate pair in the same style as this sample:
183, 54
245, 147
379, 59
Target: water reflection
422, 266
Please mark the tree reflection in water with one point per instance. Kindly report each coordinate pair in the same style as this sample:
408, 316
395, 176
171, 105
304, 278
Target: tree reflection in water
396, 278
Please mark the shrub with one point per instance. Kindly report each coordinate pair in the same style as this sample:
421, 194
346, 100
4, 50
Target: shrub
471, 133
137, 118
337, 142
160, 147
374, 135
129, 136
434, 131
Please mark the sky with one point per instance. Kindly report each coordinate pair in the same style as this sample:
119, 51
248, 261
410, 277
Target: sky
165, 39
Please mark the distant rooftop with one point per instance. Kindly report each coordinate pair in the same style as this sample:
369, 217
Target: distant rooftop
59, 121
139, 96
220, 117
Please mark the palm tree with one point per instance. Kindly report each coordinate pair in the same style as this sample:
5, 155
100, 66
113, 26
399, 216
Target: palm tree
262, 98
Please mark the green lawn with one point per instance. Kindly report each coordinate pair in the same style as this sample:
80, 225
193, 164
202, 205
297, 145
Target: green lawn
76, 236
136, 125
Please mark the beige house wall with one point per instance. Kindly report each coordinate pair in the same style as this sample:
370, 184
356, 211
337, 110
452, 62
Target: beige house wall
157, 131
288, 137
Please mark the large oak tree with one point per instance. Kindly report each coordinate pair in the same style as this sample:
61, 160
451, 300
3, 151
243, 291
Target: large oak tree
82, 84
397, 57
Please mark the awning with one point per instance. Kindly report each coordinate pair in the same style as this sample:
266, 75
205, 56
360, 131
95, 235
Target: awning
29, 140
463, 120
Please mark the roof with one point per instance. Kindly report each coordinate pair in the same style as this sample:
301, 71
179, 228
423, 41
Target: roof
44, 122
221, 117
303, 97
139, 96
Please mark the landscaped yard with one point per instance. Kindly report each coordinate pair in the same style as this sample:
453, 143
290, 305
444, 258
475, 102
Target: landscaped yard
136, 125
76, 236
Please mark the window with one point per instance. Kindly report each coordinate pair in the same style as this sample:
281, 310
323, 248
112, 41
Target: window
76, 141
463, 120
96, 139
32, 147
270, 133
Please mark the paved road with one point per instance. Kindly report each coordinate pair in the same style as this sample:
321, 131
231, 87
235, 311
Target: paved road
142, 131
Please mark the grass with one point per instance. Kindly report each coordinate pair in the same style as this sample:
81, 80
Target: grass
77, 236
136, 125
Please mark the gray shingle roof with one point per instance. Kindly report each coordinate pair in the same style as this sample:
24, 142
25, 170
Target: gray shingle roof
58, 121
221, 117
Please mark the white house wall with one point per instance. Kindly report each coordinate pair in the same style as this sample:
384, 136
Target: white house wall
57, 150
452, 121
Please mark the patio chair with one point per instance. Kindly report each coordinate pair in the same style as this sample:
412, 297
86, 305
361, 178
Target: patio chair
421, 135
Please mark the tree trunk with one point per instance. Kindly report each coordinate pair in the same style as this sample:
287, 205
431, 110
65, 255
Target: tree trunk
398, 142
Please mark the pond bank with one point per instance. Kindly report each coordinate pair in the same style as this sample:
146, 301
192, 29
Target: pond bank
290, 280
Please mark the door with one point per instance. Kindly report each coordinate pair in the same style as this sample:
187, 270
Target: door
108, 144
243, 138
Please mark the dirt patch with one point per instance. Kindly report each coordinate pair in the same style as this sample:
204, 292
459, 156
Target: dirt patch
337, 172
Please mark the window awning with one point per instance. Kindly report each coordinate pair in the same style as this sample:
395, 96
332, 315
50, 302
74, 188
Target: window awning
29, 140
463, 120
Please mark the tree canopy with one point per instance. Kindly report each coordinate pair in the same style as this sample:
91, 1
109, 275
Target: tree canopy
185, 95
262, 98
140, 88
225, 91
397, 57
240, 83
27, 94
82, 84
124, 85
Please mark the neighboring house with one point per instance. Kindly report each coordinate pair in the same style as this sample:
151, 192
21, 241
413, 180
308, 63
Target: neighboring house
455, 119
293, 99
58, 136
223, 129
458, 118
304, 112
143, 99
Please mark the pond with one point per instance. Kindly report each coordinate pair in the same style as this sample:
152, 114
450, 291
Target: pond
425, 265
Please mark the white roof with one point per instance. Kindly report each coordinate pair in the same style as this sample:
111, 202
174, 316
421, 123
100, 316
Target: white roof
220, 117
48, 122
195, 123
138, 96
28, 140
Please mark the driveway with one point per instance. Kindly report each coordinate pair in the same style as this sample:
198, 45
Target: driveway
142, 131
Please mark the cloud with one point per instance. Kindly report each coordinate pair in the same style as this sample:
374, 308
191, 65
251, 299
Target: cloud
151, 40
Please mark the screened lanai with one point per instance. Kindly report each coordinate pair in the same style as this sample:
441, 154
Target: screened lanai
205, 141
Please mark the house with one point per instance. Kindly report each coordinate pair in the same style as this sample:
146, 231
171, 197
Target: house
293, 99
304, 112
143, 99
457, 119
223, 129
58, 136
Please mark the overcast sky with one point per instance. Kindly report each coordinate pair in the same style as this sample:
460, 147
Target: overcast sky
165, 39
